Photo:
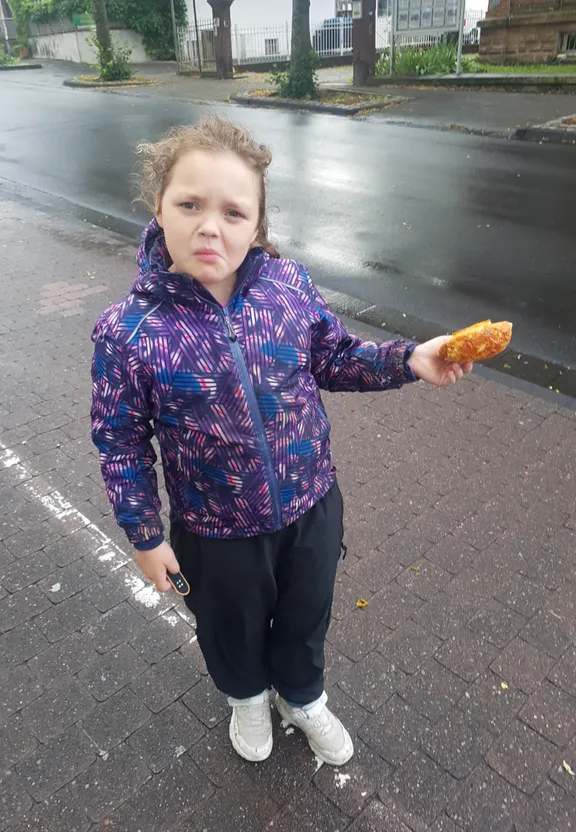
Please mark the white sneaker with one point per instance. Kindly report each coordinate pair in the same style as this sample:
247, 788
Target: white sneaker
326, 735
251, 727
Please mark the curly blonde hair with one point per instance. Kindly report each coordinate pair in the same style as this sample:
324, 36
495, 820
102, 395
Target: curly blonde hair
214, 135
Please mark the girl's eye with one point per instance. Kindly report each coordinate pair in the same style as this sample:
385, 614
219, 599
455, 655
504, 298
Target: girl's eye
189, 206
235, 214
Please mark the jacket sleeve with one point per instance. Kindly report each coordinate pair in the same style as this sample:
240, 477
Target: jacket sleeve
122, 432
342, 362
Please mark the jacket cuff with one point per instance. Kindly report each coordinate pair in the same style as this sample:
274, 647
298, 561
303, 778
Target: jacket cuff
146, 545
408, 371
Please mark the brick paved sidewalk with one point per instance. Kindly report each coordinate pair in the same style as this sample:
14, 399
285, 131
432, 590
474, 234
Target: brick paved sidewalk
458, 679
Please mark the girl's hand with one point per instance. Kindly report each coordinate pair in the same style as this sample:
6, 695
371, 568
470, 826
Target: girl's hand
425, 363
156, 562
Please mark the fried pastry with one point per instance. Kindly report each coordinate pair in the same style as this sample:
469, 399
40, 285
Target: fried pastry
477, 342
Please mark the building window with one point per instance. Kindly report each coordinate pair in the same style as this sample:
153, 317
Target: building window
569, 44
271, 46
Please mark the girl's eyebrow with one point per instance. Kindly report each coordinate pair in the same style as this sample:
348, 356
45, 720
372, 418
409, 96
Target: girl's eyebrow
187, 195
235, 202
238, 203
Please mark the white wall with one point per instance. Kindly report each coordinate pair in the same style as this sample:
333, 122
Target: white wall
72, 46
264, 12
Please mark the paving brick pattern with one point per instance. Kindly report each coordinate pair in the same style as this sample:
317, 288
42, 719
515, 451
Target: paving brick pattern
458, 679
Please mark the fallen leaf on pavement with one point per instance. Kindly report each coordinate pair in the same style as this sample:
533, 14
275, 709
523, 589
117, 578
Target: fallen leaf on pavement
567, 768
361, 603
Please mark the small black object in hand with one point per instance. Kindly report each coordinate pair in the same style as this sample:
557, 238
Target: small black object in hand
179, 583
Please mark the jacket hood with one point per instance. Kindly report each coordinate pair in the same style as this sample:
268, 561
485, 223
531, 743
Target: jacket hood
156, 282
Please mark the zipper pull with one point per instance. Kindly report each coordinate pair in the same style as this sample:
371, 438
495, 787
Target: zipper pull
231, 333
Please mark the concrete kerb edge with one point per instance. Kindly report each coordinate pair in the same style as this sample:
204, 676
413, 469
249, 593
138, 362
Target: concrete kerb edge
450, 128
514, 82
76, 84
5, 68
544, 135
312, 107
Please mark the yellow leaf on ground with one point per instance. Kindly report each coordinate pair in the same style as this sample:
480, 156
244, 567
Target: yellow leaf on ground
503, 685
361, 603
567, 768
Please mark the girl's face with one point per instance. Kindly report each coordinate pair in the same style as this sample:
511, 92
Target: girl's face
210, 215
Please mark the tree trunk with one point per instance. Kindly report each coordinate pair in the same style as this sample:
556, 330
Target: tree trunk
102, 27
223, 38
301, 43
302, 60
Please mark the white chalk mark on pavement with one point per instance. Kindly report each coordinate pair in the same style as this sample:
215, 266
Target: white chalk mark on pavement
62, 509
341, 780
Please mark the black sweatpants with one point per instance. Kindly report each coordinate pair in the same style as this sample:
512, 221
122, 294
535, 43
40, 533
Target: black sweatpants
262, 604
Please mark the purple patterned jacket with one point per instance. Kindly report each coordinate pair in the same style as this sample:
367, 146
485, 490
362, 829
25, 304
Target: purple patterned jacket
233, 394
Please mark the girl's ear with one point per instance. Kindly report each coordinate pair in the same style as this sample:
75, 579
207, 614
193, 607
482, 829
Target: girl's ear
257, 239
158, 202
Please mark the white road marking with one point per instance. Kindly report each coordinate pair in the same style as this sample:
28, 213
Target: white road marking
62, 509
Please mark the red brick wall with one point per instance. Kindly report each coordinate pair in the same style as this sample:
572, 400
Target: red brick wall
524, 44
499, 10
514, 37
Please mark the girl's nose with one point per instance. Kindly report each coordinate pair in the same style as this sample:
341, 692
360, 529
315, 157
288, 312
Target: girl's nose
209, 227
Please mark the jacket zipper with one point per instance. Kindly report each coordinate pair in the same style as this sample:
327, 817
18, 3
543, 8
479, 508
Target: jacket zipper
256, 418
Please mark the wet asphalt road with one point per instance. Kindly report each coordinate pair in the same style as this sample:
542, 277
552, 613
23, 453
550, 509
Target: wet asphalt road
431, 226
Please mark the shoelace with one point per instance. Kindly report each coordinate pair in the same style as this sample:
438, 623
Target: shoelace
253, 715
322, 722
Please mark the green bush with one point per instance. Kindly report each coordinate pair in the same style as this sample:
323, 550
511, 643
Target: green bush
280, 78
113, 63
6, 60
300, 81
150, 18
412, 62
470, 64
416, 62
383, 63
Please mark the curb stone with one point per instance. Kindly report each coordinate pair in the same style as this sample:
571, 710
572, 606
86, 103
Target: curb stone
378, 103
537, 134
513, 82
558, 131
77, 84
7, 67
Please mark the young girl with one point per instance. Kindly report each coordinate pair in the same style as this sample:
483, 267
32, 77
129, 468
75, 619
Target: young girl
224, 348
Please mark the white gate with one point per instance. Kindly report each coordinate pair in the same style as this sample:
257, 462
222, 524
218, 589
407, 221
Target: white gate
196, 48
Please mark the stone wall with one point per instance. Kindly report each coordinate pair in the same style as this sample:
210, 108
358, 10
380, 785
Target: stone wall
75, 46
525, 31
